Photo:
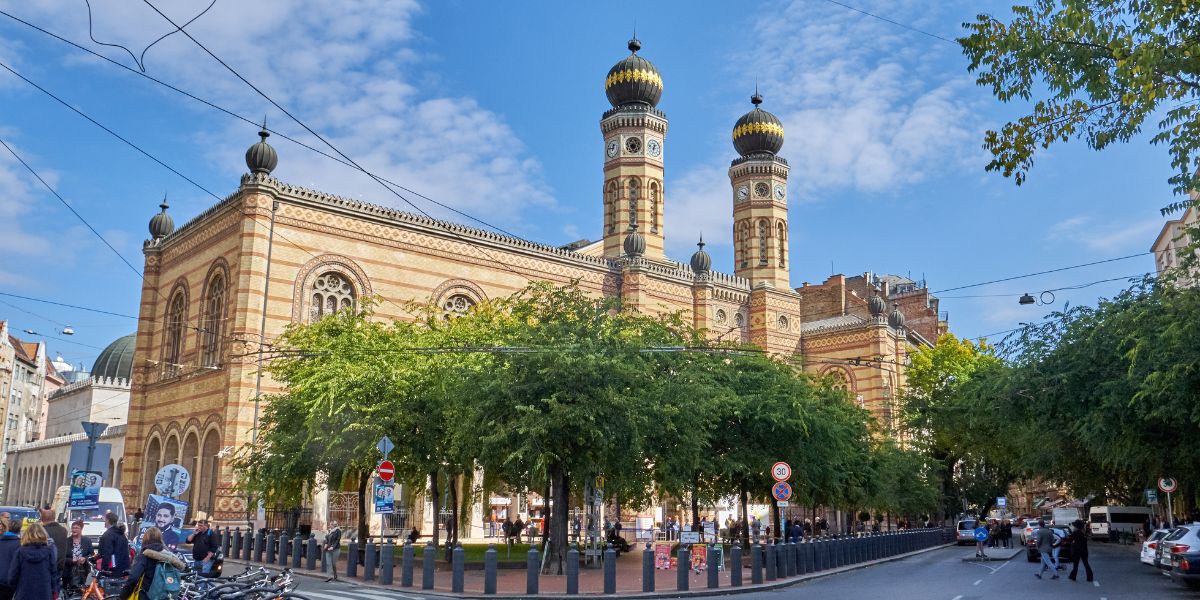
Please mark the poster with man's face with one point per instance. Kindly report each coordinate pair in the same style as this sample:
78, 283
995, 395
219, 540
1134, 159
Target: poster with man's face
168, 515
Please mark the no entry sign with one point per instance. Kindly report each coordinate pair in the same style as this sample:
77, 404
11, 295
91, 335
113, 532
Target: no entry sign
386, 470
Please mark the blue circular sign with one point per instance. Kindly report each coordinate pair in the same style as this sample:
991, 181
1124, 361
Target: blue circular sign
981, 534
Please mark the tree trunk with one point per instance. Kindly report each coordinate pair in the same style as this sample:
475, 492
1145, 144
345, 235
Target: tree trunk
452, 528
435, 498
364, 478
546, 513
560, 486
695, 501
745, 496
775, 518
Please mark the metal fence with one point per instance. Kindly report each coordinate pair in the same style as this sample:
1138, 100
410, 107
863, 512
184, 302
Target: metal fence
290, 520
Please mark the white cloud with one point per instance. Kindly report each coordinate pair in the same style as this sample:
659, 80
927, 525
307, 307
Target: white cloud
699, 202
1106, 237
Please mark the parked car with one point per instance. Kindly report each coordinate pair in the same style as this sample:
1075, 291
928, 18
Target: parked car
966, 531
24, 513
1060, 536
1150, 546
1185, 569
1181, 539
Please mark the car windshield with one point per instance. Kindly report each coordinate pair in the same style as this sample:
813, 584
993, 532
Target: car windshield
967, 524
1176, 533
96, 515
1158, 535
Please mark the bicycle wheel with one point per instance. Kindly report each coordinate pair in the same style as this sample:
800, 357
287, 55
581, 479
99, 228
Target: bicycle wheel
292, 596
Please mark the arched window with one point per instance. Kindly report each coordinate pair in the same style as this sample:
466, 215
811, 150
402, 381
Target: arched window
173, 345
190, 459
743, 245
209, 471
633, 198
654, 206
610, 207
457, 305
762, 242
171, 452
331, 292
781, 240
210, 332
153, 464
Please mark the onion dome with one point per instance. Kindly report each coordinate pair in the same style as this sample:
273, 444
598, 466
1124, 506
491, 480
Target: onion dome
701, 261
896, 319
116, 361
758, 131
261, 157
876, 304
161, 225
635, 244
633, 80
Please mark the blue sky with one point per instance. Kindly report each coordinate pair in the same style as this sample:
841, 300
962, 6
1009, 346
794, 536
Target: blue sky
493, 108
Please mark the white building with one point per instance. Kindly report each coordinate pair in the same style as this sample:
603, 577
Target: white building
1174, 239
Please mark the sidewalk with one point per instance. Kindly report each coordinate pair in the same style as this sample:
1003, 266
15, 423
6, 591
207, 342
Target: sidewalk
510, 583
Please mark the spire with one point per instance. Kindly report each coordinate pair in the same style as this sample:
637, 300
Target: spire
261, 157
701, 261
634, 44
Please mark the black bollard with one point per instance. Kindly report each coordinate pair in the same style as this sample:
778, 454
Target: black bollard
458, 562
310, 557
772, 563
735, 564
531, 571
260, 544
684, 562
801, 550
352, 559
271, 547
789, 559
427, 558
823, 554
236, 548
781, 553
713, 568
610, 570
226, 541
489, 570
573, 570
369, 562
406, 565
387, 563
285, 546
810, 556
297, 551
756, 564
648, 568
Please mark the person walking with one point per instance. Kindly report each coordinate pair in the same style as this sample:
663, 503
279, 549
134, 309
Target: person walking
153, 553
333, 548
114, 547
81, 550
1044, 539
1058, 544
1079, 550
34, 570
10, 542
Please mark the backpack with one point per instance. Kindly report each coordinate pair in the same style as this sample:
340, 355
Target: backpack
165, 584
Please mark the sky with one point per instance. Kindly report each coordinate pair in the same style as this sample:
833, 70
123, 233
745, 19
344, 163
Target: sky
493, 108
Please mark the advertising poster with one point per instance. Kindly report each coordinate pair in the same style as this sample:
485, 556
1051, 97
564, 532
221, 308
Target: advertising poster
689, 537
168, 515
718, 557
385, 502
662, 555
699, 557
85, 490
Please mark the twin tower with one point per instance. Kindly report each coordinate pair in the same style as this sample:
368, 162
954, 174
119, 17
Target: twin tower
635, 134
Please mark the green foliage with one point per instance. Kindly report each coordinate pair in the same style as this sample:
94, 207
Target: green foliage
1104, 67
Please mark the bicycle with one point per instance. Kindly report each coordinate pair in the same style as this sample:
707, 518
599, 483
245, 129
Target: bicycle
98, 585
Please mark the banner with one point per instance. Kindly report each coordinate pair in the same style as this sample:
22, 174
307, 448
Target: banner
699, 557
85, 490
662, 555
168, 515
385, 502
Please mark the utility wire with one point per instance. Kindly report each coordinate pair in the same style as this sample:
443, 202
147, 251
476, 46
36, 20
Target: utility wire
33, 314
896, 23
68, 205
1059, 289
1098, 262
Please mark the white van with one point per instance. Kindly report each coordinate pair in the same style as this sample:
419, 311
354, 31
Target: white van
1125, 519
93, 519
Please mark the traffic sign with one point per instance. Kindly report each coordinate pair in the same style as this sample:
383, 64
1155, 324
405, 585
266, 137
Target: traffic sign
981, 534
781, 471
385, 446
386, 470
1151, 496
782, 503
172, 480
782, 491
1001, 501
1167, 484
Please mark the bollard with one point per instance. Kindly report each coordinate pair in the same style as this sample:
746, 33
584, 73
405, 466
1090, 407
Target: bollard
531, 571
369, 561
801, 551
248, 547
285, 546
684, 563
387, 564
772, 563
854, 550
714, 574
573, 570
789, 567
810, 556
352, 559
610, 570
822, 555
270, 547
756, 566
406, 565
237, 544
781, 552
735, 565
846, 546
260, 544
310, 559
489, 570
227, 542
297, 551
427, 558
648, 568
458, 561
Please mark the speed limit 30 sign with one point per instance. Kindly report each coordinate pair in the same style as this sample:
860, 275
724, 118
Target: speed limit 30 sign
781, 471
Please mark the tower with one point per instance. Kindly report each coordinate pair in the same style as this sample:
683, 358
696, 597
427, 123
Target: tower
634, 137
759, 180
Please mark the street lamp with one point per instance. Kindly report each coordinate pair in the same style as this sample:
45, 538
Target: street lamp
1026, 299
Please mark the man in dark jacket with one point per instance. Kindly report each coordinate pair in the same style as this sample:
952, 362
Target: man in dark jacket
204, 546
114, 546
1079, 550
60, 538
10, 541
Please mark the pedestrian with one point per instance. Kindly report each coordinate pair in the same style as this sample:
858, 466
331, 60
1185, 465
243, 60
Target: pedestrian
34, 570
333, 548
1079, 550
755, 527
980, 544
10, 541
1044, 540
1058, 544
141, 575
519, 526
81, 550
58, 536
414, 535
204, 546
114, 547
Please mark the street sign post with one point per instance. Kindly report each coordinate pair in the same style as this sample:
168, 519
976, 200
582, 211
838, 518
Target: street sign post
93, 432
1168, 485
781, 471
386, 470
781, 491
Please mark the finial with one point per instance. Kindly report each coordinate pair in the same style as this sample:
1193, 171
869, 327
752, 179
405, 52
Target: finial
164, 206
757, 98
701, 242
634, 44
264, 134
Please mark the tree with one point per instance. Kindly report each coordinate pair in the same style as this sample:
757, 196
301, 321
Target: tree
1105, 67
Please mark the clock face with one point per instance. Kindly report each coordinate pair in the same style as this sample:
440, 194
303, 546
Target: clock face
761, 189
612, 148
743, 192
653, 148
780, 193
633, 145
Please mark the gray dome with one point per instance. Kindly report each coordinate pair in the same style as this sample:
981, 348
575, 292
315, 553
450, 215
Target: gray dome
876, 304
161, 225
896, 319
116, 361
701, 261
633, 80
261, 157
758, 131
635, 243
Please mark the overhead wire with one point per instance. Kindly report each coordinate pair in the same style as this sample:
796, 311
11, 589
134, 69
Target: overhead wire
1060, 269
896, 23
1057, 289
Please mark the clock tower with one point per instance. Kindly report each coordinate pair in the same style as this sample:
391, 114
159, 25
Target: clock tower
634, 134
760, 194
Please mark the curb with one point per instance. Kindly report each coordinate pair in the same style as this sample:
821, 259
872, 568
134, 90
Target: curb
416, 593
